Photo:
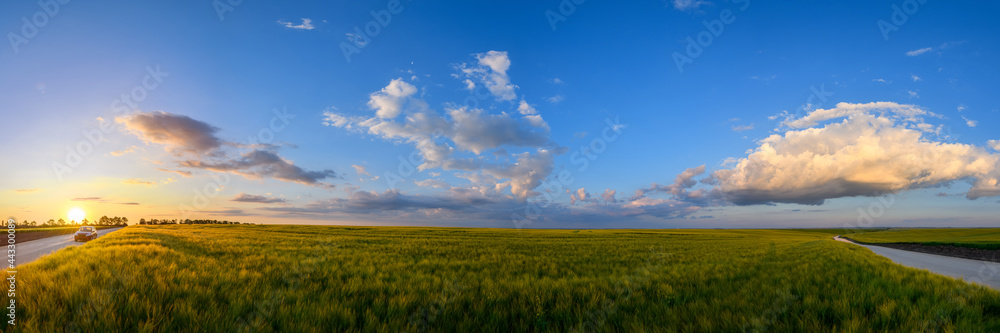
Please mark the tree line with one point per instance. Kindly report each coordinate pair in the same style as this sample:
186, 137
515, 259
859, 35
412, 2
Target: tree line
143, 221
118, 221
103, 221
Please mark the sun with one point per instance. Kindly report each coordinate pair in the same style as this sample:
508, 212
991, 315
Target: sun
76, 214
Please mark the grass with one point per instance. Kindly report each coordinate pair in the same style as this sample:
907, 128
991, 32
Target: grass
207, 278
982, 238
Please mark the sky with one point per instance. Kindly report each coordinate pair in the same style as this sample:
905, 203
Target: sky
507, 114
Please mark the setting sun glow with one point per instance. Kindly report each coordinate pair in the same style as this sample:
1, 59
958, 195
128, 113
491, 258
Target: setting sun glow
76, 215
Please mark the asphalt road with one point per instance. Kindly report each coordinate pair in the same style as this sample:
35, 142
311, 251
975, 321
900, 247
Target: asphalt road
982, 272
31, 250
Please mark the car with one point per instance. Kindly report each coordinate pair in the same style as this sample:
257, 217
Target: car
85, 234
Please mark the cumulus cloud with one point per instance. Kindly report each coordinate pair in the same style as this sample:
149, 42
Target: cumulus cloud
874, 149
609, 195
580, 195
995, 144
678, 189
491, 71
197, 142
360, 169
388, 102
305, 25
243, 197
509, 151
525, 108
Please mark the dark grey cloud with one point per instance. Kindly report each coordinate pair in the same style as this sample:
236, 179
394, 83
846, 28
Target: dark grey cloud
197, 142
243, 197
263, 164
178, 132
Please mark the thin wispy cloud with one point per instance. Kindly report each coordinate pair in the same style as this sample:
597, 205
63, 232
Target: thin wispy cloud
305, 25
138, 182
244, 197
917, 52
686, 5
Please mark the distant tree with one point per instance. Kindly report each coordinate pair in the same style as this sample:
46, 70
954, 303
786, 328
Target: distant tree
62, 222
33, 223
142, 220
125, 221
85, 222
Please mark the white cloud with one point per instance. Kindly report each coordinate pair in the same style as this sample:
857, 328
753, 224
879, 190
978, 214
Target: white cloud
882, 81
995, 144
961, 108
556, 99
462, 139
388, 102
842, 110
358, 40
688, 4
305, 25
432, 183
491, 71
915, 78
970, 122
556, 80
917, 52
742, 128
579, 195
360, 169
913, 94
525, 108
877, 149
943, 46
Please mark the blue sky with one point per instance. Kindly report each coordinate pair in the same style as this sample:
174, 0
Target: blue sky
547, 78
